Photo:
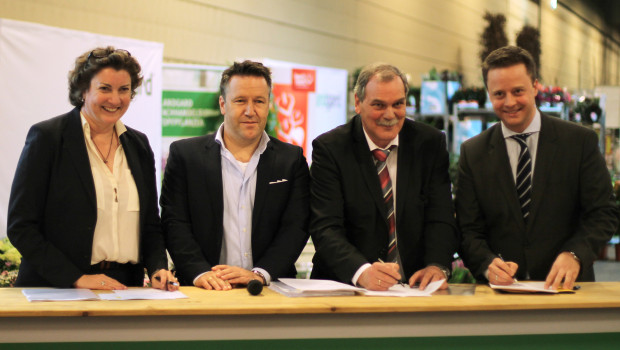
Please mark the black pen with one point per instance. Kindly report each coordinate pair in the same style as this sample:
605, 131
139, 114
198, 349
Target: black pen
399, 282
514, 279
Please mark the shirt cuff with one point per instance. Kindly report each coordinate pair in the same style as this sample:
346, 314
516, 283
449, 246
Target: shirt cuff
264, 273
359, 273
197, 277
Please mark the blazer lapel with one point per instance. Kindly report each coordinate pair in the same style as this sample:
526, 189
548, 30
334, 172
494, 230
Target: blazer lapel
265, 166
545, 154
367, 167
133, 161
211, 172
75, 146
500, 162
407, 154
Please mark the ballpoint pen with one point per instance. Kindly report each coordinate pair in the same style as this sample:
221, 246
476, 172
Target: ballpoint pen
399, 282
169, 282
514, 279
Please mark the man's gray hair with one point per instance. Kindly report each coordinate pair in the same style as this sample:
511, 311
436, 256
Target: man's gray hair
385, 72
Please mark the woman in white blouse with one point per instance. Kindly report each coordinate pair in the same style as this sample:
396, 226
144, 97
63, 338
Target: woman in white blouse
83, 209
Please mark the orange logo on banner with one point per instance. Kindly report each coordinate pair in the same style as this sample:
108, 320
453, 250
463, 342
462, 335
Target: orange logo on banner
304, 79
292, 111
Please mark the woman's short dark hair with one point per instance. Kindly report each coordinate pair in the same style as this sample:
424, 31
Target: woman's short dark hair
92, 62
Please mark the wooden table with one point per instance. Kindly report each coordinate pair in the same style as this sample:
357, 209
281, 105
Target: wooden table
591, 315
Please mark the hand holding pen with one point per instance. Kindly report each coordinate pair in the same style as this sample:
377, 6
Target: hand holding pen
502, 272
379, 276
165, 280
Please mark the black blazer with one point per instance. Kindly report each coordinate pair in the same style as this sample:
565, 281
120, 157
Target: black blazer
53, 210
573, 207
348, 217
193, 207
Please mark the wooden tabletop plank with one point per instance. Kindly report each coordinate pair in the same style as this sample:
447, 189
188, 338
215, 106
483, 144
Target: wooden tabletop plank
239, 302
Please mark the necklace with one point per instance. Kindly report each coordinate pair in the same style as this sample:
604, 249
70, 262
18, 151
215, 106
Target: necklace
105, 159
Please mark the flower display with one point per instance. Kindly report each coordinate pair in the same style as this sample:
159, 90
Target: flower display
551, 95
9, 263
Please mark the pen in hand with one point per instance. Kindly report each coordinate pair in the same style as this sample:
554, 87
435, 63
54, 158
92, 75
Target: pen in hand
383, 262
514, 279
169, 282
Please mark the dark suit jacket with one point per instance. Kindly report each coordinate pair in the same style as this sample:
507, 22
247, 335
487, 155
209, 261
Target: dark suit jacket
572, 208
348, 217
193, 207
53, 210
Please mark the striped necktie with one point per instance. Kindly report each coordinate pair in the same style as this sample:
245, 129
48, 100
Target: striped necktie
524, 175
388, 198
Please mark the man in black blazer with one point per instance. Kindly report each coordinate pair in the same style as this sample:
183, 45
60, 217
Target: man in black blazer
551, 229
235, 203
350, 220
53, 207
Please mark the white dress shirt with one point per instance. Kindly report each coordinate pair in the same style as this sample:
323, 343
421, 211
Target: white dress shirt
514, 148
117, 231
239, 189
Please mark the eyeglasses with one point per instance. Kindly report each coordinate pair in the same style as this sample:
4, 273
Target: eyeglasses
103, 53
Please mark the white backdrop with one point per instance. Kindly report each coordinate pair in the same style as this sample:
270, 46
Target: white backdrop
34, 63
327, 105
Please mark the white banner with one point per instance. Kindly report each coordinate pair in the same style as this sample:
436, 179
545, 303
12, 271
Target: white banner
310, 101
34, 64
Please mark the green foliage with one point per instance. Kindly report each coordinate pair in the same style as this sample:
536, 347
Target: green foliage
10, 259
273, 124
494, 35
529, 39
460, 273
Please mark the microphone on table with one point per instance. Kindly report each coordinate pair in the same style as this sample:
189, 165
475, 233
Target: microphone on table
255, 287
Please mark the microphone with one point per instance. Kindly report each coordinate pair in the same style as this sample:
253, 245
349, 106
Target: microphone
255, 287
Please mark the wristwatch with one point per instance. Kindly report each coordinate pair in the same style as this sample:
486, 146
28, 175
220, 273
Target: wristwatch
575, 257
445, 271
260, 275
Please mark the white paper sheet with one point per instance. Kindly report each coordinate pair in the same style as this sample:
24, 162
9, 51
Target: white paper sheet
311, 285
59, 294
528, 287
305, 287
399, 290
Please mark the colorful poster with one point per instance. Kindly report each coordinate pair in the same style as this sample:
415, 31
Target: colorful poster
292, 113
190, 103
189, 113
307, 101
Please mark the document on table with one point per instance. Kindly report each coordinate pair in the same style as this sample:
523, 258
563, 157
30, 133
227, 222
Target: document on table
143, 294
309, 288
528, 287
399, 290
59, 294
292, 287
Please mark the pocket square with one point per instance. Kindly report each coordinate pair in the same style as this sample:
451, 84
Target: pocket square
278, 181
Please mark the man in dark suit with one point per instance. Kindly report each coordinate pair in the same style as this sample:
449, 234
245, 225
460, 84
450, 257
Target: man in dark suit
235, 203
533, 189
354, 197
